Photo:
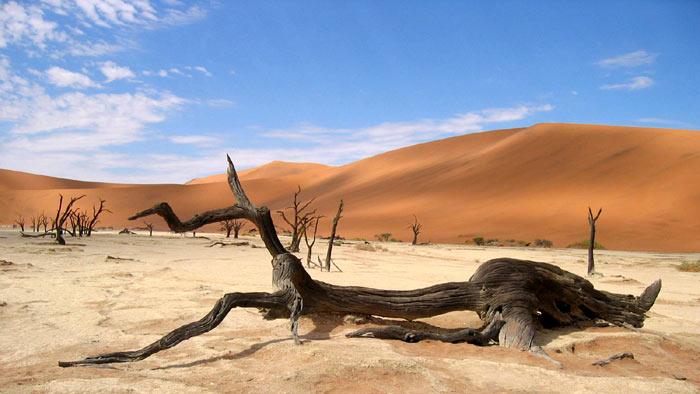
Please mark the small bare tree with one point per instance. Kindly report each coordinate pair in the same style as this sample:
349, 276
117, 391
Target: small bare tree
310, 245
237, 226
96, 212
20, 222
332, 237
227, 225
43, 221
149, 226
62, 215
35, 224
591, 222
232, 225
298, 209
416, 228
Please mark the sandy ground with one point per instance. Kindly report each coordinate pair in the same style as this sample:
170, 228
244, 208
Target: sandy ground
65, 303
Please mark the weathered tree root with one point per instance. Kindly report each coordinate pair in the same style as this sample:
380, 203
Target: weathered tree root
468, 335
618, 356
513, 297
222, 307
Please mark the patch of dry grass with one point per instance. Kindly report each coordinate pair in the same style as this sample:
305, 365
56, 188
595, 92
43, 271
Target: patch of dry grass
370, 248
689, 266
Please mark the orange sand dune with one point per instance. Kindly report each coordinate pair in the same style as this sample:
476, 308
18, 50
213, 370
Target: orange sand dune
534, 182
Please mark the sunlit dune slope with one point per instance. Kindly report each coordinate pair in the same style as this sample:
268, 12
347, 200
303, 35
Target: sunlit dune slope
522, 184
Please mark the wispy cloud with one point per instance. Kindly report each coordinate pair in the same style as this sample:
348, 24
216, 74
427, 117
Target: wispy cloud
635, 83
193, 139
632, 59
113, 72
65, 78
46, 23
663, 121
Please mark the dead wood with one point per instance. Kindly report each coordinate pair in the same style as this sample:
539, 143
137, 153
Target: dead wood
416, 229
591, 244
332, 237
301, 216
526, 295
619, 356
469, 335
126, 231
222, 244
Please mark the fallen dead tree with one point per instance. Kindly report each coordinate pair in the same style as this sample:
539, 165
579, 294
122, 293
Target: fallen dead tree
513, 297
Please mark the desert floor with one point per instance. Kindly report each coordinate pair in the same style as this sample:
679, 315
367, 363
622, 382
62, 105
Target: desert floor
65, 303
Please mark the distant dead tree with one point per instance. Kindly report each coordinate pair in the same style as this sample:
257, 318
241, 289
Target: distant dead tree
298, 209
416, 228
96, 212
591, 222
310, 245
35, 224
20, 222
237, 226
43, 220
149, 226
234, 225
227, 225
332, 237
62, 214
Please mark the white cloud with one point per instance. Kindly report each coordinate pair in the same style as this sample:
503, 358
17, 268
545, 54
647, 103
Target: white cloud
19, 23
663, 121
65, 78
635, 83
113, 72
632, 59
193, 139
338, 145
220, 103
203, 70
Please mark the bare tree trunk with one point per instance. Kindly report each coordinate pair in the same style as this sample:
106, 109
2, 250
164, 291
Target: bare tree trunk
310, 245
329, 252
513, 297
416, 228
591, 244
300, 217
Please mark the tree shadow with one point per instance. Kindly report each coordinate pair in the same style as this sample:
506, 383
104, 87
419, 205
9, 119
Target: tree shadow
252, 349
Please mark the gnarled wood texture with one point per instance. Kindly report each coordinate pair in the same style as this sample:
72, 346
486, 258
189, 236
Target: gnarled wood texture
513, 297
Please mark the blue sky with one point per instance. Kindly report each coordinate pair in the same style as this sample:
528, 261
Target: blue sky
159, 91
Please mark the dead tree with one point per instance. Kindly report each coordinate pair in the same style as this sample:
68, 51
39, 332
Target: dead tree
149, 226
525, 295
591, 244
416, 228
43, 221
234, 225
20, 222
237, 226
227, 225
310, 245
329, 252
35, 224
96, 212
62, 215
298, 209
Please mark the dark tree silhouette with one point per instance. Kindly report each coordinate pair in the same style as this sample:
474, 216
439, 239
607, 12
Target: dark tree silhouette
513, 297
310, 245
62, 214
416, 228
300, 215
96, 212
334, 227
591, 222
20, 222
149, 226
